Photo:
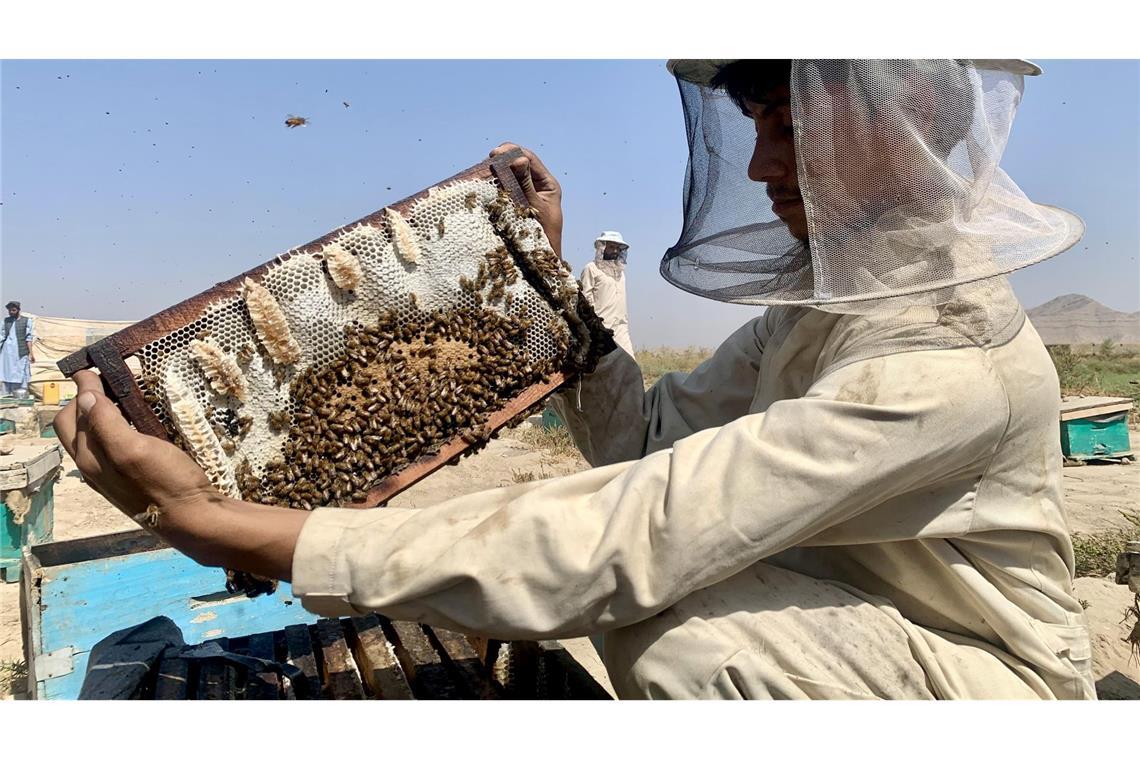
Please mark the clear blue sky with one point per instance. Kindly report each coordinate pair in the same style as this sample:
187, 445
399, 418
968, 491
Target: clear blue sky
191, 177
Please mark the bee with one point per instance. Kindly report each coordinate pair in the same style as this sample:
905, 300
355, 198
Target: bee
279, 420
440, 227
292, 122
149, 517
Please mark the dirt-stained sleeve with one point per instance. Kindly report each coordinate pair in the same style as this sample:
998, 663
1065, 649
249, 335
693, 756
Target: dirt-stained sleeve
612, 418
611, 546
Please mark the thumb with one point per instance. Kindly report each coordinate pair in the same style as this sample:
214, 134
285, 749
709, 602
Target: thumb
105, 424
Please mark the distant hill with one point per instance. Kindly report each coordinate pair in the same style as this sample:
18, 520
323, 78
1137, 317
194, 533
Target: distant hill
1079, 319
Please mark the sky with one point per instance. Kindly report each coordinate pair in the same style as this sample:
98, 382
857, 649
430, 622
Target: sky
128, 186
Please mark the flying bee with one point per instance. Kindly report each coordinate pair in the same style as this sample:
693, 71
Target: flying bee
292, 122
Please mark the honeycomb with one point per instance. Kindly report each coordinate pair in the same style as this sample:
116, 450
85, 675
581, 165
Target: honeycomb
342, 364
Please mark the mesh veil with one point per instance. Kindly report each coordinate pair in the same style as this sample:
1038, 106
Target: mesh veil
613, 266
898, 165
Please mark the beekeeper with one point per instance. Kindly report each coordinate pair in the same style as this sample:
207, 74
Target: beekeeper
857, 496
603, 284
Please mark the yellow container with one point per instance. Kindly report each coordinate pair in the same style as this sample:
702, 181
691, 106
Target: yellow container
51, 394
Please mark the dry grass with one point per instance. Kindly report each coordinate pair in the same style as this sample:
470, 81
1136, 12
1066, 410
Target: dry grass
13, 676
658, 361
1095, 553
555, 441
1104, 370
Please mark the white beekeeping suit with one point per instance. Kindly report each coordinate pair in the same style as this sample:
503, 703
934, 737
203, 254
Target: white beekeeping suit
603, 283
859, 494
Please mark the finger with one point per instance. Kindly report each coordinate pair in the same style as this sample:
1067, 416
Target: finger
86, 380
520, 167
536, 166
106, 426
66, 421
64, 425
506, 147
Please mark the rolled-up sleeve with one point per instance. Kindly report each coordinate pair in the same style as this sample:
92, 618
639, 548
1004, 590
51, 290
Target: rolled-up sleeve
611, 546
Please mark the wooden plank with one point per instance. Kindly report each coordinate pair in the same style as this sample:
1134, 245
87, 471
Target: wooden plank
378, 665
465, 661
215, 678
120, 383
341, 681
1095, 410
560, 676
95, 548
486, 648
30, 619
299, 647
172, 680
520, 679
265, 685
428, 675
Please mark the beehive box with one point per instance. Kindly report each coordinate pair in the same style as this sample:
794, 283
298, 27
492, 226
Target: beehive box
1095, 427
350, 367
74, 593
27, 483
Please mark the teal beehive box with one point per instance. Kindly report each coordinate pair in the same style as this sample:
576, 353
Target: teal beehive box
27, 481
1095, 427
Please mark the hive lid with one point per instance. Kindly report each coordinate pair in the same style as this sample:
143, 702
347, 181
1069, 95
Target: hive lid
29, 462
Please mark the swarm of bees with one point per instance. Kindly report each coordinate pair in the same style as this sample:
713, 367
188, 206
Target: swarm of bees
404, 388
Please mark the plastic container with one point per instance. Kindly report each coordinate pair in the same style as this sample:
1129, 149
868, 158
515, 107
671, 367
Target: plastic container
51, 393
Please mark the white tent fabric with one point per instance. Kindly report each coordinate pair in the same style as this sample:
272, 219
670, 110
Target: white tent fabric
55, 338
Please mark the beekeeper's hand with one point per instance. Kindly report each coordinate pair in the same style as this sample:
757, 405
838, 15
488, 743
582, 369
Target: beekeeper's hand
542, 191
132, 470
156, 483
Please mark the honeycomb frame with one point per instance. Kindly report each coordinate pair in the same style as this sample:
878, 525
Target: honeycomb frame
553, 333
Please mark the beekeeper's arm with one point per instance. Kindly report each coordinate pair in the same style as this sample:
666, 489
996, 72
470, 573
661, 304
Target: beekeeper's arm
614, 545
612, 419
587, 283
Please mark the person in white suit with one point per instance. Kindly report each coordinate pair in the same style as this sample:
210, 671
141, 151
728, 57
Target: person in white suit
857, 496
603, 284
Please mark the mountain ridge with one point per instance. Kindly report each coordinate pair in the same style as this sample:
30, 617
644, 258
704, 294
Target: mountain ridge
1075, 318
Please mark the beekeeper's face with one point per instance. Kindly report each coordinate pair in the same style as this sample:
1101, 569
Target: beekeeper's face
612, 250
774, 158
13, 311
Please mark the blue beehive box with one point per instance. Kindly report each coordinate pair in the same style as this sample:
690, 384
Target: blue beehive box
75, 593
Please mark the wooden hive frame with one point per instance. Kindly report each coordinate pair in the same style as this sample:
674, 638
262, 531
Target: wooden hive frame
109, 355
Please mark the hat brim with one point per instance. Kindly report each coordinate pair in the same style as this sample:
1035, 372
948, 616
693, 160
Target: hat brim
703, 71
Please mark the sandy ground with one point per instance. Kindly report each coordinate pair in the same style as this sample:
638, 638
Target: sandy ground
1095, 496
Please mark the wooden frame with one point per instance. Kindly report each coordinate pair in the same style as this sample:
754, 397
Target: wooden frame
109, 355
